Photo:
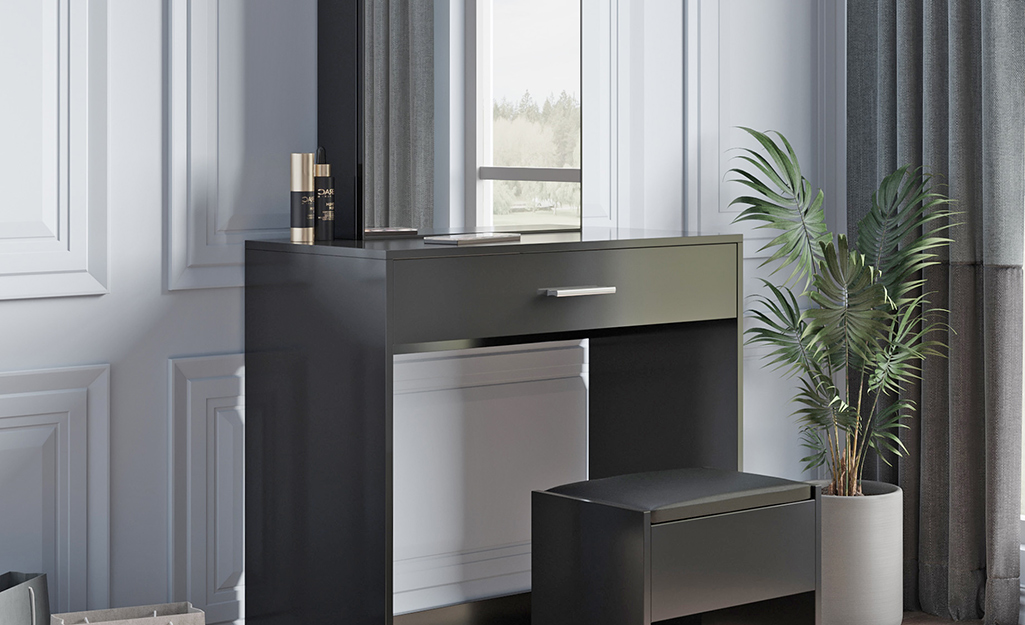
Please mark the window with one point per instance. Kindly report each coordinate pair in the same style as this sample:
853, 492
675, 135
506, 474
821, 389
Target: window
528, 170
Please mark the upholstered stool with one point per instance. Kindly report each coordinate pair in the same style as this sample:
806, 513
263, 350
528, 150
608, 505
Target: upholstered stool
646, 547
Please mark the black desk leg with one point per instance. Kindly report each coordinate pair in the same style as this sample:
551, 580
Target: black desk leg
318, 467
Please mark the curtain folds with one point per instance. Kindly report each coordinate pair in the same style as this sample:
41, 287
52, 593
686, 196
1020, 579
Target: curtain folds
398, 117
941, 84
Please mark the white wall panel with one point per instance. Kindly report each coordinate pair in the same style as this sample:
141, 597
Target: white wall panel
207, 484
475, 432
598, 128
633, 123
242, 95
53, 212
661, 99
54, 476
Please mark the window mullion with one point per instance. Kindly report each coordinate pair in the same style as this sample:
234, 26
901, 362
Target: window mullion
485, 125
538, 174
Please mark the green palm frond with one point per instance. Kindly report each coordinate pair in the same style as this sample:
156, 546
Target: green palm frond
780, 326
784, 202
901, 231
899, 359
811, 439
818, 403
884, 432
850, 319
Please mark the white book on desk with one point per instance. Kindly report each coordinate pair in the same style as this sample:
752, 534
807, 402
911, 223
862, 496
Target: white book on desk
477, 238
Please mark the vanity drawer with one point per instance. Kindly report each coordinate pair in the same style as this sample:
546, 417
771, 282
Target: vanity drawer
494, 295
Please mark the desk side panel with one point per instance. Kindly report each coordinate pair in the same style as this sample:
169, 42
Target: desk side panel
318, 399
588, 563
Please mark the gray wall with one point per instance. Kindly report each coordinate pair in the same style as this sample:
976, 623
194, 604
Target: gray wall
155, 143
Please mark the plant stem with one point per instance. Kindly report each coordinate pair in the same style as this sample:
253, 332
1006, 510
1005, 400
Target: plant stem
863, 452
857, 428
835, 453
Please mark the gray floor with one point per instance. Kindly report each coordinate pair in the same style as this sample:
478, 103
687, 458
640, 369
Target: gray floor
917, 618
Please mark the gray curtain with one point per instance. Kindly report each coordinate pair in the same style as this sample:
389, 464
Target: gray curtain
941, 84
398, 118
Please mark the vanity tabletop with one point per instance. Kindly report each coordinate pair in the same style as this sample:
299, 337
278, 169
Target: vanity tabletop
415, 247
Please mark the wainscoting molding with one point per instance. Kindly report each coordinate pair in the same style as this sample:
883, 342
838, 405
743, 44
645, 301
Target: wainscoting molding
227, 175
207, 433
55, 463
54, 243
475, 431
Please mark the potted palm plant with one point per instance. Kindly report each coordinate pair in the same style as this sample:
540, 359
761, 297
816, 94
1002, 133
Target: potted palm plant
858, 342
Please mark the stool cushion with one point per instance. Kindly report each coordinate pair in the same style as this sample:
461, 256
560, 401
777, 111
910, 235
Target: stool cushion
688, 493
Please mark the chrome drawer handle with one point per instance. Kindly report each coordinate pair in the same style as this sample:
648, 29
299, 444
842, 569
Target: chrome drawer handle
577, 291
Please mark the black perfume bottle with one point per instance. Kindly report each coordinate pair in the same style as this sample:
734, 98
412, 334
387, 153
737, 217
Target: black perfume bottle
324, 187
303, 198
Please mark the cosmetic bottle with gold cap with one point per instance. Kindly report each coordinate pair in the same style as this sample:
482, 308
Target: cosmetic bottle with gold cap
324, 185
303, 197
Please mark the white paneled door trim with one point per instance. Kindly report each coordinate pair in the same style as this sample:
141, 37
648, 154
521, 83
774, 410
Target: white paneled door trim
205, 240
60, 248
61, 417
599, 67
207, 433
705, 174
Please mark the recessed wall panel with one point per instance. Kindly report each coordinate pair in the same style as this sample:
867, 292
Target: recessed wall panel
53, 163
54, 481
29, 32
207, 484
242, 96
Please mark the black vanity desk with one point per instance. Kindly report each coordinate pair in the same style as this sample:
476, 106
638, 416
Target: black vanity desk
322, 323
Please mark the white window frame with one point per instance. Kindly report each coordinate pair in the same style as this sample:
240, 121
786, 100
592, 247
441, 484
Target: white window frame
478, 102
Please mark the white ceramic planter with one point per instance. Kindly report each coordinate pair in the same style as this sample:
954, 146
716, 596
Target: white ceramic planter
862, 557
